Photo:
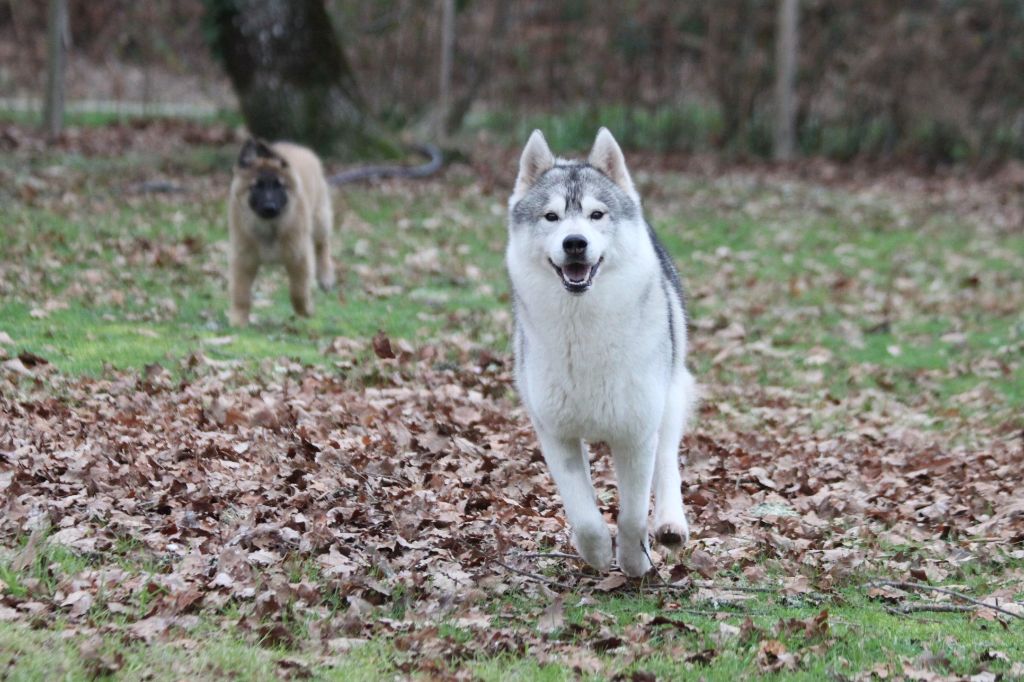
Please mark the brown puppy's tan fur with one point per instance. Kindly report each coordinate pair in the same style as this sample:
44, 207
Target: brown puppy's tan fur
298, 238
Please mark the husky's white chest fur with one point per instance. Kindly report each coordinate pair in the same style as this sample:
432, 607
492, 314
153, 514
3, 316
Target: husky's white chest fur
594, 368
600, 344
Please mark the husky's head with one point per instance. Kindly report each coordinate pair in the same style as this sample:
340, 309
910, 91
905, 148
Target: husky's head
573, 219
265, 177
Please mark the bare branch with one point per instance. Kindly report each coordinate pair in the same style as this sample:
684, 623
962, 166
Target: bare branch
915, 607
921, 587
534, 576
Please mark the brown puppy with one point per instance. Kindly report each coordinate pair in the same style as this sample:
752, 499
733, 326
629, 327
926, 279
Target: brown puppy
279, 211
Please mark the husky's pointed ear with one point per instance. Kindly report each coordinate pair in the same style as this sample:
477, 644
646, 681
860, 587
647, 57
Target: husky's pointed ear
606, 156
536, 160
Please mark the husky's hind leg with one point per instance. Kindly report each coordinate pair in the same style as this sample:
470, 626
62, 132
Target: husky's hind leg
670, 527
570, 467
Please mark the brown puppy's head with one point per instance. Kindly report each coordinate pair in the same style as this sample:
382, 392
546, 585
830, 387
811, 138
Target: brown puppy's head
266, 178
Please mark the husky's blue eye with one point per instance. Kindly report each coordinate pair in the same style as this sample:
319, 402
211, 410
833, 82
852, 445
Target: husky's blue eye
597, 215
551, 216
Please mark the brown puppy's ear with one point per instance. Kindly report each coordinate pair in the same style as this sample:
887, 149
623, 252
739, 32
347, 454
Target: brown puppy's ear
248, 154
265, 151
256, 149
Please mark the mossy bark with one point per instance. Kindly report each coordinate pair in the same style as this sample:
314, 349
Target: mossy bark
291, 76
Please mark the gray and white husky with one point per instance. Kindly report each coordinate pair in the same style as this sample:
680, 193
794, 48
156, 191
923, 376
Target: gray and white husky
600, 344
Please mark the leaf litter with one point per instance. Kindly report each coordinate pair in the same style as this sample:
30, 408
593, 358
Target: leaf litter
286, 496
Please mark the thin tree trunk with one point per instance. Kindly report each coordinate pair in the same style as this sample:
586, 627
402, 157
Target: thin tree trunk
479, 70
786, 47
444, 89
57, 39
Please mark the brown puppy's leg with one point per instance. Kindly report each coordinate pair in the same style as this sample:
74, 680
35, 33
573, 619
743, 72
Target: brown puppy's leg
322, 223
242, 273
300, 280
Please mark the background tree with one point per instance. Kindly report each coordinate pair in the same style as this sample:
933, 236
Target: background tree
57, 41
786, 41
293, 82
444, 86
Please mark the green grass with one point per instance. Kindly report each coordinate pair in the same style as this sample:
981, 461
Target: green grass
693, 126
114, 279
860, 636
205, 653
676, 128
81, 118
127, 283
124, 292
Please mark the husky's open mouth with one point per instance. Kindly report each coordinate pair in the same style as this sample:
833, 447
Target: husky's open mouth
577, 277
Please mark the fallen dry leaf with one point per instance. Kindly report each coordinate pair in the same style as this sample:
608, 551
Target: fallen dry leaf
773, 657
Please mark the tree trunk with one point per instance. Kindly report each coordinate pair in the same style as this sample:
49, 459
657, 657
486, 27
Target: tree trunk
57, 39
291, 76
478, 70
444, 86
785, 80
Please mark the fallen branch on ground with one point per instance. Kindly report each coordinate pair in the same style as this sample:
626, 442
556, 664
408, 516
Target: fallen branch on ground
929, 606
904, 585
661, 581
714, 613
534, 576
549, 555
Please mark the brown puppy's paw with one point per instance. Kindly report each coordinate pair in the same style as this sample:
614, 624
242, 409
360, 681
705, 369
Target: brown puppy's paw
326, 280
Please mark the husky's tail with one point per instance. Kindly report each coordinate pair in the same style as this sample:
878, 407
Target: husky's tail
435, 159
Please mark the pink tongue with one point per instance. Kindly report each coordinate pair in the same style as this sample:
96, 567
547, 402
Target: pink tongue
576, 272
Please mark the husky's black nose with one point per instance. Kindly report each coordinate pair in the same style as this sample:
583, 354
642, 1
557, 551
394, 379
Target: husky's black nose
575, 245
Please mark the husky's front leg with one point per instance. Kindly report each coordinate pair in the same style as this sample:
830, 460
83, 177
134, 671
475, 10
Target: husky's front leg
570, 467
634, 468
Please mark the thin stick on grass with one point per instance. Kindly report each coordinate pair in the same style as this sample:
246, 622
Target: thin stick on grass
714, 613
549, 555
711, 584
534, 576
921, 587
932, 607
661, 581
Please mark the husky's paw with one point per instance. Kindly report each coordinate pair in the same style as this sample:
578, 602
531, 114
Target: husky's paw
594, 544
673, 534
632, 558
670, 527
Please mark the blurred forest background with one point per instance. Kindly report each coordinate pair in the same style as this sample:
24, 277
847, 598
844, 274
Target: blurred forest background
930, 82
